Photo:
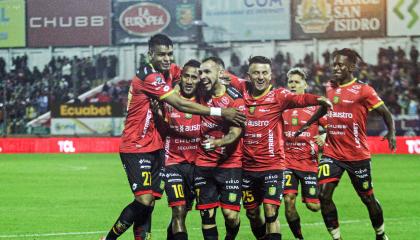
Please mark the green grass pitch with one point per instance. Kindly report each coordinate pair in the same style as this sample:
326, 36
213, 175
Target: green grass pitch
53, 196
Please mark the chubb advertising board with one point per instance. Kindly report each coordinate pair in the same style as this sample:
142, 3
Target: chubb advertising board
338, 19
87, 119
68, 22
136, 21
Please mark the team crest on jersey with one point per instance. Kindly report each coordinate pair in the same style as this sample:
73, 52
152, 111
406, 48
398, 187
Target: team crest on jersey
365, 185
272, 191
252, 109
312, 191
162, 185
232, 197
295, 121
336, 99
188, 115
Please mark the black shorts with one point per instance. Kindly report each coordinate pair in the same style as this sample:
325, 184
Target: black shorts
179, 186
262, 187
331, 170
218, 187
308, 180
144, 172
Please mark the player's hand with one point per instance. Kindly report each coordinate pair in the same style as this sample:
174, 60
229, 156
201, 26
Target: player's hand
225, 78
300, 131
392, 141
325, 102
209, 144
233, 115
320, 139
155, 107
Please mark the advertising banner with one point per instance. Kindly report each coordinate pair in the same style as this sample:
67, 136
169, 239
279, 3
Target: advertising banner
403, 18
338, 19
68, 23
12, 23
405, 145
89, 110
246, 20
136, 21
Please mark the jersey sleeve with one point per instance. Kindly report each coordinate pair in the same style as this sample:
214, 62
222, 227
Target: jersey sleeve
237, 82
371, 100
323, 122
154, 84
290, 100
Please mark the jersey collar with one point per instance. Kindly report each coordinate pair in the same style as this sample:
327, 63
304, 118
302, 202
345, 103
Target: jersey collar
349, 83
264, 93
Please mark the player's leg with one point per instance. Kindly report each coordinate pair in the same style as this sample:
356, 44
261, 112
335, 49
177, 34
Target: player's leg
176, 195
273, 184
291, 185
361, 178
229, 181
143, 230
329, 174
207, 201
138, 167
252, 198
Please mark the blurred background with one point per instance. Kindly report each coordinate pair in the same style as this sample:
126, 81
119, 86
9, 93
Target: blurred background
65, 63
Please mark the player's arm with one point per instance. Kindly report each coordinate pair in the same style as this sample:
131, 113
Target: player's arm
323, 109
231, 114
233, 135
389, 121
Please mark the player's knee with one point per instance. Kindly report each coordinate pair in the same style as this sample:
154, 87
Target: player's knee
179, 212
325, 197
231, 217
289, 198
368, 199
314, 207
208, 217
253, 214
271, 213
146, 199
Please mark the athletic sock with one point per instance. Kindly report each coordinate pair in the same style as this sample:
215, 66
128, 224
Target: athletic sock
142, 229
295, 228
231, 232
259, 232
331, 219
133, 211
210, 234
180, 236
273, 236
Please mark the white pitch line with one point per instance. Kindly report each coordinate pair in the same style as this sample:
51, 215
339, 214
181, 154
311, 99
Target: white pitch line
162, 230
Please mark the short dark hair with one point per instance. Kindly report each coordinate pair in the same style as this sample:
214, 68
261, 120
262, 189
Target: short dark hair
216, 60
192, 63
259, 59
160, 39
351, 54
298, 71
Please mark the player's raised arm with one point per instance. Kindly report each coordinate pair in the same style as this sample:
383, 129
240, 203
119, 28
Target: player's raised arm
231, 114
319, 114
389, 122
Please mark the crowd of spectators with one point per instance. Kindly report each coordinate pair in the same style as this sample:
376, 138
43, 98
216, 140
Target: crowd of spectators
26, 93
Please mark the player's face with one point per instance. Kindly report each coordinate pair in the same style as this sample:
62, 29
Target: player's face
260, 76
209, 74
189, 80
296, 84
342, 68
161, 57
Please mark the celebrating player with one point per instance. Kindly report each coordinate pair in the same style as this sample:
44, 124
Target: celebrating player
346, 147
141, 145
301, 154
263, 162
181, 145
218, 165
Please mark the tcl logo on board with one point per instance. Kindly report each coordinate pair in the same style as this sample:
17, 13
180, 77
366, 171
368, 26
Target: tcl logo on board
144, 19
